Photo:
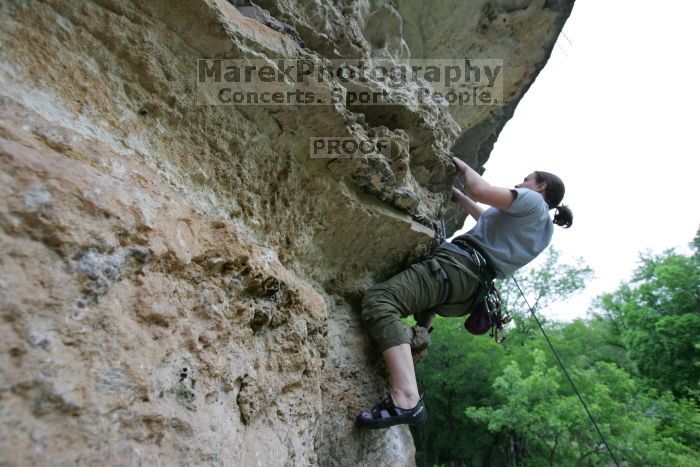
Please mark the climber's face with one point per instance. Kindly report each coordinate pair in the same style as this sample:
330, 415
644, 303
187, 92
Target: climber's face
531, 182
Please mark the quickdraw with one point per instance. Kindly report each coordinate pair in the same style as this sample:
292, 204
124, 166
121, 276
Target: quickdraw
499, 316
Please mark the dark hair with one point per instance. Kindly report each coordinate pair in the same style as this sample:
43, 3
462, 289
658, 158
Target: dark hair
553, 195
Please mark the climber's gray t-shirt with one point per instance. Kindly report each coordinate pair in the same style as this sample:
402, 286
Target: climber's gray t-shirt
514, 237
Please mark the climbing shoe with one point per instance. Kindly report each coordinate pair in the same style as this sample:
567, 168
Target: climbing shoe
386, 414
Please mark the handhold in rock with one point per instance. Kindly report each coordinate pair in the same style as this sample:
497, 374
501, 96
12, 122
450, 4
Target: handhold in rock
140, 253
251, 10
406, 200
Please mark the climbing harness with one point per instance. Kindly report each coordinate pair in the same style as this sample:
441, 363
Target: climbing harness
486, 313
561, 364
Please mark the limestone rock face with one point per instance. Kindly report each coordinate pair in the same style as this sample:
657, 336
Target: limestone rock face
180, 283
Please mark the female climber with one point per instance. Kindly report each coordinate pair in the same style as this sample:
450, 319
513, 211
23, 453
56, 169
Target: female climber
511, 233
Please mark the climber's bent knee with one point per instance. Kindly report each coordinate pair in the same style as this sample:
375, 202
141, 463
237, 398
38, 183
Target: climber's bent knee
382, 317
415, 289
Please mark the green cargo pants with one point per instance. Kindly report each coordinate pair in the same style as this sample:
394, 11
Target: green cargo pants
418, 288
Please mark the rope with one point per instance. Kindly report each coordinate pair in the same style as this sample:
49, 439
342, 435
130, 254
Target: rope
561, 364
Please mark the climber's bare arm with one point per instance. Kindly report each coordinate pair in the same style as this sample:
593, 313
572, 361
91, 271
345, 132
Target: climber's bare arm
482, 191
467, 204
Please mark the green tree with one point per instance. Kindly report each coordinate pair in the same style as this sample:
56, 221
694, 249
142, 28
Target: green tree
657, 315
545, 424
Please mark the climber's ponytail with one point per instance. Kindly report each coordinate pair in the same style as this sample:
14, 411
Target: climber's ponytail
563, 216
553, 195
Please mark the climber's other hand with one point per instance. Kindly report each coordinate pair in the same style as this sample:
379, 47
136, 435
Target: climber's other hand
456, 195
459, 165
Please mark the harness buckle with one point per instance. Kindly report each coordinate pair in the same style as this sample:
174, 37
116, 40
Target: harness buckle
477, 259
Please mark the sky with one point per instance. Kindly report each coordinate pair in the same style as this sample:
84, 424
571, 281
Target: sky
614, 113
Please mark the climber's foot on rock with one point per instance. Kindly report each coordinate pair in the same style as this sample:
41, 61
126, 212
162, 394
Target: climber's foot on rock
386, 414
420, 341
